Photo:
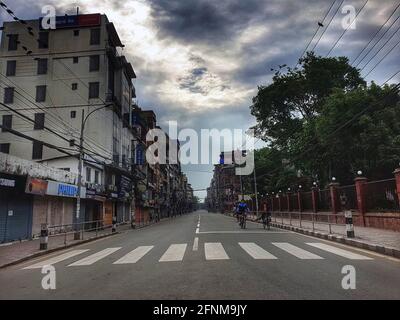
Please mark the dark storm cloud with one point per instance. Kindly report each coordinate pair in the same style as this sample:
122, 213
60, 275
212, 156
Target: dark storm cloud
209, 21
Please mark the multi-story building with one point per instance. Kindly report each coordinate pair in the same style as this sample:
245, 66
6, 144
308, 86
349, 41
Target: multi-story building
73, 74
225, 187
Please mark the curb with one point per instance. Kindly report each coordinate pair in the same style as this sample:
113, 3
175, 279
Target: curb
39, 254
388, 251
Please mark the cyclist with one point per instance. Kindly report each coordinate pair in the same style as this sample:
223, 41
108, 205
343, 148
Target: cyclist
266, 219
242, 209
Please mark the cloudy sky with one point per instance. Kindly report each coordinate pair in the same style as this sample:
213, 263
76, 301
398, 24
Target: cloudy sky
199, 62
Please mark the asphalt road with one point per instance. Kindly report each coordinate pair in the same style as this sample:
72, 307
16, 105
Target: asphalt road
165, 261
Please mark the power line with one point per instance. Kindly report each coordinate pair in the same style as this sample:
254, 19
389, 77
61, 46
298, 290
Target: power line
316, 31
395, 74
377, 42
326, 28
343, 33
395, 90
56, 118
382, 58
379, 30
380, 49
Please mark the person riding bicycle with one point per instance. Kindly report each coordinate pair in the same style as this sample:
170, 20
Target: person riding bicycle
242, 210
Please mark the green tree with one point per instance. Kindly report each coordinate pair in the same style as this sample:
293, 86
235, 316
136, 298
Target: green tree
296, 97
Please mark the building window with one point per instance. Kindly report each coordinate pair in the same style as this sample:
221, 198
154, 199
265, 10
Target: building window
12, 42
94, 90
39, 121
94, 63
11, 68
43, 40
74, 86
5, 148
95, 36
75, 59
88, 175
76, 33
37, 150
8, 95
40, 93
7, 122
96, 177
73, 114
42, 66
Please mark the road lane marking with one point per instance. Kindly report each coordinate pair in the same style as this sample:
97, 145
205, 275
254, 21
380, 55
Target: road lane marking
296, 251
340, 252
196, 244
215, 251
135, 255
56, 259
248, 232
175, 252
94, 257
256, 251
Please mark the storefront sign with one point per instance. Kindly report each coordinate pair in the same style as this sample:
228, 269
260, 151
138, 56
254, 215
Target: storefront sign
36, 186
76, 21
7, 183
64, 190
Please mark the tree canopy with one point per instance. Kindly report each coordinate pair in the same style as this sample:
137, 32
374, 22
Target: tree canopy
323, 120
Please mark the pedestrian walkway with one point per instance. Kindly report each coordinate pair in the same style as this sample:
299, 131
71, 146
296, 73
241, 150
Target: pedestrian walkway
15, 251
212, 252
381, 237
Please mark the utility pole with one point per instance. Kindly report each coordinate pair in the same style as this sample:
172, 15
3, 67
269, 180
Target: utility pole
78, 196
255, 188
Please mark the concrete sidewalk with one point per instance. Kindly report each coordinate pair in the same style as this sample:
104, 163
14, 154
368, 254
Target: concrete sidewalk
378, 240
15, 252
381, 237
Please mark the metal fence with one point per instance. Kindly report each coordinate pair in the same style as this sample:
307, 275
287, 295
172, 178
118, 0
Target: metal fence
306, 198
324, 200
382, 196
351, 196
314, 221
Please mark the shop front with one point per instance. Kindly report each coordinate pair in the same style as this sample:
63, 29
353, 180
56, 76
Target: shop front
15, 209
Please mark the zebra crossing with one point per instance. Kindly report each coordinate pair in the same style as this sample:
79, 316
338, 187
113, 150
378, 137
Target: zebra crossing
212, 251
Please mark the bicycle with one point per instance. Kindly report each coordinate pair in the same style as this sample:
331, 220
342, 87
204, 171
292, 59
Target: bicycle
242, 222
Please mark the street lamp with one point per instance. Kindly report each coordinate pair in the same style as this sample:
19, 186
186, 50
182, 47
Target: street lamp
78, 196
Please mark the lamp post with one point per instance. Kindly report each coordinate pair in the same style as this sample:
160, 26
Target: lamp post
80, 165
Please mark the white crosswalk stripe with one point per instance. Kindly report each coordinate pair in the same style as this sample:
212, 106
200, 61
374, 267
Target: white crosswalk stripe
135, 255
340, 252
296, 251
56, 259
256, 251
212, 251
215, 251
175, 252
94, 257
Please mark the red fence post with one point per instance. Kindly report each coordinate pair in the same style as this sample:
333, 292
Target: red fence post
361, 189
397, 176
299, 201
334, 197
288, 202
314, 193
